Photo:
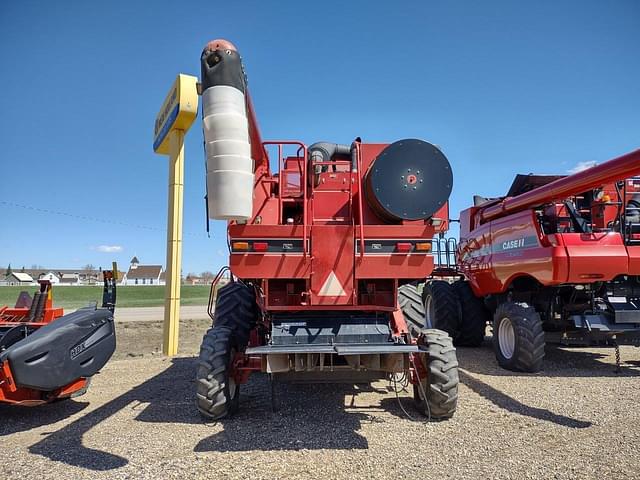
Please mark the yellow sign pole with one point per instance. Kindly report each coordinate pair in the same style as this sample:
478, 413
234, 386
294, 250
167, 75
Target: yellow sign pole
174, 243
176, 116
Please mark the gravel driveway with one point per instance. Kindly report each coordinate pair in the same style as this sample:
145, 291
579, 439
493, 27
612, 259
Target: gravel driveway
577, 419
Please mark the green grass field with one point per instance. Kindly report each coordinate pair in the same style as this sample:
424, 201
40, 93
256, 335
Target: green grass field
128, 296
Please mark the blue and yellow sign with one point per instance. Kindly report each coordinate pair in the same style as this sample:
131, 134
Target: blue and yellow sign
178, 111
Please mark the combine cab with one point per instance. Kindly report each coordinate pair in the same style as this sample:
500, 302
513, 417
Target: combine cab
555, 260
47, 356
324, 253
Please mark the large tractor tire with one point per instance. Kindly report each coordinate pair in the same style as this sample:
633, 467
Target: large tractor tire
442, 308
412, 308
518, 338
474, 316
236, 308
441, 384
236, 312
217, 394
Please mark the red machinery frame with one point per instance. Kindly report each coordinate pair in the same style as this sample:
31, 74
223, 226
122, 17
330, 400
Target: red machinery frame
504, 241
318, 267
405, 262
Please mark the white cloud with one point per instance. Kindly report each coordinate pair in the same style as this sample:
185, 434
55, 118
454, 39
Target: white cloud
108, 248
583, 166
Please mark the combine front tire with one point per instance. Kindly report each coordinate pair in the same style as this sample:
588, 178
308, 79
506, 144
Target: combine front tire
441, 384
442, 308
518, 338
217, 394
474, 316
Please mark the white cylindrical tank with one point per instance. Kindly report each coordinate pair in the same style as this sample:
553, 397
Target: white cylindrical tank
228, 151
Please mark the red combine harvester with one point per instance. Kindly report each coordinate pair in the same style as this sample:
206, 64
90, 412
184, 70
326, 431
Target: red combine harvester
47, 356
555, 260
320, 251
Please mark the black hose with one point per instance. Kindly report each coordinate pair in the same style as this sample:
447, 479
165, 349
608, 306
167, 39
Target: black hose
325, 152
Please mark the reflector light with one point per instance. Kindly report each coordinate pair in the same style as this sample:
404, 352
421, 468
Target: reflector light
240, 245
591, 275
423, 246
403, 247
260, 246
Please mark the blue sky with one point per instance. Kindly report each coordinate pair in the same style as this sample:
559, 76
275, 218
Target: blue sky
502, 87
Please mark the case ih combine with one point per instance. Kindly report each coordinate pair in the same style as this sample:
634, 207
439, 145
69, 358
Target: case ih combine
557, 259
320, 250
47, 356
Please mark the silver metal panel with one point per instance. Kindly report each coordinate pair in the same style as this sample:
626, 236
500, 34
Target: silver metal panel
339, 349
269, 349
365, 349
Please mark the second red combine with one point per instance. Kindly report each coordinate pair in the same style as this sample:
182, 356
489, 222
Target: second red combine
555, 260
321, 248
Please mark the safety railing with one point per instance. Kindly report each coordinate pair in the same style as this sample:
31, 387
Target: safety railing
360, 213
444, 252
330, 167
629, 227
302, 166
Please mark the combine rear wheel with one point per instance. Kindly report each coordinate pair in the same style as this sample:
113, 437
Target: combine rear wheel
442, 308
217, 394
441, 384
474, 318
518, 338
412, 307
236, 308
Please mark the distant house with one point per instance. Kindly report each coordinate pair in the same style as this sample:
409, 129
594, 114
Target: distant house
143, 274
18, 278
92, 276
70, 279
194, 280
52, 277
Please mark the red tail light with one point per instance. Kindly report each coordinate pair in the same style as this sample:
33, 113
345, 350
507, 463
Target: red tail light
403, 247
260, 246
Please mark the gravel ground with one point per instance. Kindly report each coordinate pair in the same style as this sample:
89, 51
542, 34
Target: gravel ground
577, 419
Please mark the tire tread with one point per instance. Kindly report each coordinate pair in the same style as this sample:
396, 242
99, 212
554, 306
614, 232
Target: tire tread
442, 378
474, 316
529, 352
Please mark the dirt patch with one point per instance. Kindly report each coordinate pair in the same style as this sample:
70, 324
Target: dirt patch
144, 338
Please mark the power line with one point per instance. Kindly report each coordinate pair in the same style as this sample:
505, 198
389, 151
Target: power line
86, 218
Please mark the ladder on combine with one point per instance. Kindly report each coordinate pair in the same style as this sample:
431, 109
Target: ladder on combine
328, 221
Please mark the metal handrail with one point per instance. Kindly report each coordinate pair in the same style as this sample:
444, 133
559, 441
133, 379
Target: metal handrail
360, 213
303, 182
333, 162
444, 252
212, 291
